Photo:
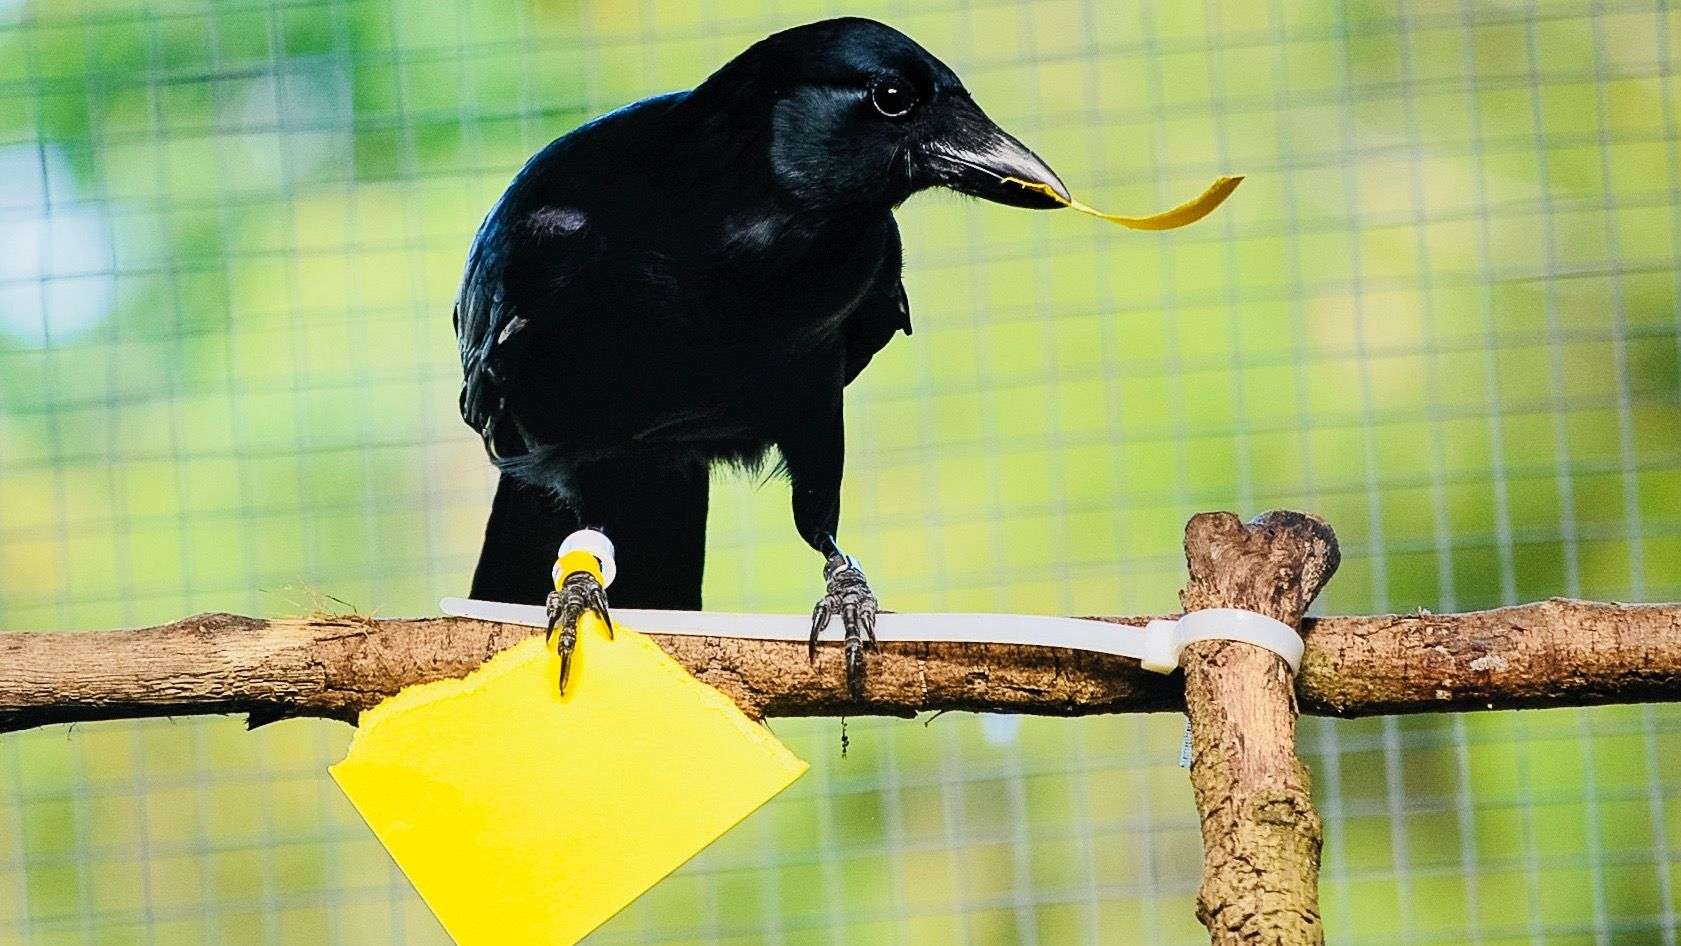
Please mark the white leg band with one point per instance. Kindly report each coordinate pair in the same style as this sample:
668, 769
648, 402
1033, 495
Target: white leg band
593, 542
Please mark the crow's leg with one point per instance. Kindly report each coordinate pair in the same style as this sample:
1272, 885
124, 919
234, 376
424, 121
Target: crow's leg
815, 453
654, 512
526, 525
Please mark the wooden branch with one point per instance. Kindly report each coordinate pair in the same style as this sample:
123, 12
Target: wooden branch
1260, 834
1553, 653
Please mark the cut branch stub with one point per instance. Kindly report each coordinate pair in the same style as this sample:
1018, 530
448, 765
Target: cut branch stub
1261, 836
1276, 565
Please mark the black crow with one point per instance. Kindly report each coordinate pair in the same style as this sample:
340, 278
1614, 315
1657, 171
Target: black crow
693, 279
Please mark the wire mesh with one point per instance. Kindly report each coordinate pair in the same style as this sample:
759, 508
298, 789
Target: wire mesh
1444, 311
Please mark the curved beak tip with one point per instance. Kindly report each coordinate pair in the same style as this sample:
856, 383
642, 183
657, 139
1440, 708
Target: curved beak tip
1035, 198
1059, 189
1056, 185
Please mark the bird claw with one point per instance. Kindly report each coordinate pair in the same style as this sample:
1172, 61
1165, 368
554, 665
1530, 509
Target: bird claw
849, 596
579, 594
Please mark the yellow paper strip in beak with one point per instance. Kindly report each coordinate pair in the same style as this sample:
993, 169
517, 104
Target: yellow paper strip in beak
524, 816
1187, 213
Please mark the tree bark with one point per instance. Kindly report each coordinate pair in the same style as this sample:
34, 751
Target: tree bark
1260, 834
1559, 652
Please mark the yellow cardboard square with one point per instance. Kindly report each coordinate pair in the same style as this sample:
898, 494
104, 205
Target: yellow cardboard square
523, 816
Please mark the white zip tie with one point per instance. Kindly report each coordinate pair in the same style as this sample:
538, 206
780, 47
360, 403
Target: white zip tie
1157, 648
1164, 646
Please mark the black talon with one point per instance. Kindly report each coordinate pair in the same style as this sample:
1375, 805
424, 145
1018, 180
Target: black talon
819, 620
565, 665
598, 604
855, 667
578, 594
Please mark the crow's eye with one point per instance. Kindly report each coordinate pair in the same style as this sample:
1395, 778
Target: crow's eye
893, 97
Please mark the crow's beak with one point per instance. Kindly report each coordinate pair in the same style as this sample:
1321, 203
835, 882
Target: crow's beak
968, 153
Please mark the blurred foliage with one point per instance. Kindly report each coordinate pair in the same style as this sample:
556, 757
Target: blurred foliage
1442, 312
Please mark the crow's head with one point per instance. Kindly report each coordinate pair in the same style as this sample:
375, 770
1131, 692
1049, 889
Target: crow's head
861, 114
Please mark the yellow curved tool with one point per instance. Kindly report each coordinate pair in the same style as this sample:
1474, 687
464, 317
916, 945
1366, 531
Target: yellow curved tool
1186, 213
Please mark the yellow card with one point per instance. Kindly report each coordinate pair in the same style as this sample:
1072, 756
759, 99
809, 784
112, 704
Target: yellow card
522, 816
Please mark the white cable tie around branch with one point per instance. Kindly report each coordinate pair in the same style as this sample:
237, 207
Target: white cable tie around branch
1157, 646
1164, 641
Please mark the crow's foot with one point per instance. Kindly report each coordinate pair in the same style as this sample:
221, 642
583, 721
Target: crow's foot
849, 596
578, 594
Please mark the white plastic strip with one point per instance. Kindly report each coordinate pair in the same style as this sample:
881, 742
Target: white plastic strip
1157, 646
1163, 650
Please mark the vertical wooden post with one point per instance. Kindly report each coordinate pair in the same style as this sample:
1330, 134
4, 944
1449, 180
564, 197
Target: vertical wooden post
1260, 834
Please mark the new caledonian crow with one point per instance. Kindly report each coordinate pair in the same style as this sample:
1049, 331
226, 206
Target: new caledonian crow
692, 280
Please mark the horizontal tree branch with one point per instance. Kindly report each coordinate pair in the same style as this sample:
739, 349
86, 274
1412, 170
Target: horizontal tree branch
1559, 652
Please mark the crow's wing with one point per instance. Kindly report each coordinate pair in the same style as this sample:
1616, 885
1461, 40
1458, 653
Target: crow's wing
532, 257
519, 272
883, 312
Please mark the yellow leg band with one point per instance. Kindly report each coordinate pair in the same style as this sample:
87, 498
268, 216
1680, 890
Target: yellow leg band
574, 562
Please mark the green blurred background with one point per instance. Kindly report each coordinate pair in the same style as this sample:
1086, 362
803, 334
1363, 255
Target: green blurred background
1442, 312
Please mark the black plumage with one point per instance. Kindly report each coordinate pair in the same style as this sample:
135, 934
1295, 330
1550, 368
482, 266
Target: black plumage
695, 278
